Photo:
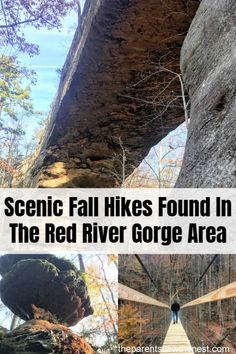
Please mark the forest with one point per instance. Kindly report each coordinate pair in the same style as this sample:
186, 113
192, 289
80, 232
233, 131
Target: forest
185, 277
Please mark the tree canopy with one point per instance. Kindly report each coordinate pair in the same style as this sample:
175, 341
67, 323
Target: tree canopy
15, 15
13, 93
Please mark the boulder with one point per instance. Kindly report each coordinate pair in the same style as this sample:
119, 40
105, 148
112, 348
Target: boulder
44, 287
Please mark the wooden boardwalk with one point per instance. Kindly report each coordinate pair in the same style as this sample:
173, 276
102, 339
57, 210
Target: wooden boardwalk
176, 341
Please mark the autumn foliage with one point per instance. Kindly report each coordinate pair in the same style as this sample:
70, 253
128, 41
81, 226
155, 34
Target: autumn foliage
130, 325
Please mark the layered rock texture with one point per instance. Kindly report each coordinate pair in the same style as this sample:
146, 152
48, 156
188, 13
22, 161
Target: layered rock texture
208, 64
43, 337
46, 292
119, 93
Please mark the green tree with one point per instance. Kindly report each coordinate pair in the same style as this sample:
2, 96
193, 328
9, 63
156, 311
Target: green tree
15, 106
14, 95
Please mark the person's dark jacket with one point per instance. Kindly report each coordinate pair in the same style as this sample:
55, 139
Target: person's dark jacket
175, 307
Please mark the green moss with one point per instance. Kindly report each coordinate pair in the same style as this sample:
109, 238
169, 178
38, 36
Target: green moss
9, 260
37, 266
62, 264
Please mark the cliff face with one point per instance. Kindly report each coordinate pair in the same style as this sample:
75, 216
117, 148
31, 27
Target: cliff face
117, 97
208, 63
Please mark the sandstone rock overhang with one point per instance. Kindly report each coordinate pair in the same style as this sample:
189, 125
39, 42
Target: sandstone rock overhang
115, 99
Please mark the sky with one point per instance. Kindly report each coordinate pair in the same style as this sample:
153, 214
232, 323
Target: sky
54, 46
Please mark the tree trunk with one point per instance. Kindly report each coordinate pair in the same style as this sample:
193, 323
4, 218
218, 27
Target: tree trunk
13, 322
81, 263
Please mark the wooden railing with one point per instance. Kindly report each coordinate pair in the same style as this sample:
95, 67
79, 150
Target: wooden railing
226, 292
126, 293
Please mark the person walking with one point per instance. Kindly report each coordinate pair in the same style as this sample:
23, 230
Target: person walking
175, 311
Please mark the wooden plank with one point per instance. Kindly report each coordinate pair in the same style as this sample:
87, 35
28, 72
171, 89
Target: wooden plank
226, 292
176, 341
126, 293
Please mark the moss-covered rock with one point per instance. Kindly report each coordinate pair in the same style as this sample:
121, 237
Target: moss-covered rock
44, 287
9, 260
